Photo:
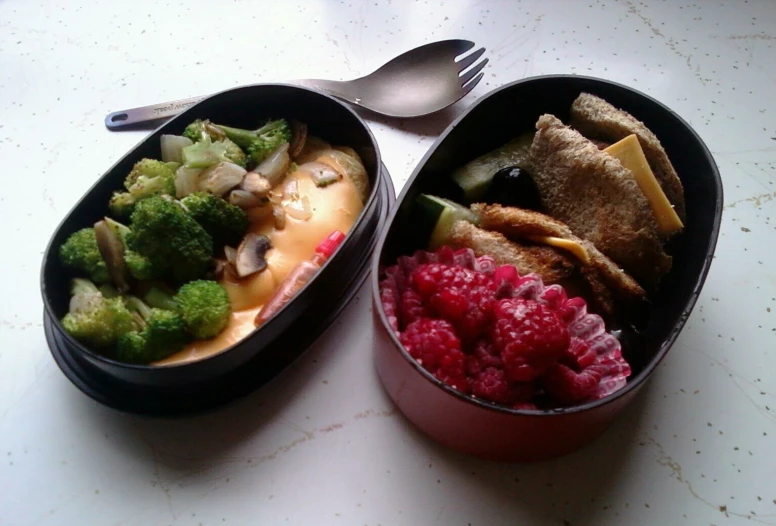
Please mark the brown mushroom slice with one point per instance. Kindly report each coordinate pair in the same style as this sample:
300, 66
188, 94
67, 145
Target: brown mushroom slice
251, 253
322, 174
112, 251
298, 138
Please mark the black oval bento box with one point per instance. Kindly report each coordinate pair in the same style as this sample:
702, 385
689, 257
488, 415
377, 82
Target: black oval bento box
205, 384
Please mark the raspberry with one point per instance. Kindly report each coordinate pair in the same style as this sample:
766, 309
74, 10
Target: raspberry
460, 295
567, 386
490, 384
451, 371
429, 341
529, 336
484, 356
411, 307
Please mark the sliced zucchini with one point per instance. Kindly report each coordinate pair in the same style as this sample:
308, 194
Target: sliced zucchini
444, 213
475, 176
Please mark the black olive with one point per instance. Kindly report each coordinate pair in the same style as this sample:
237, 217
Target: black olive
514, 186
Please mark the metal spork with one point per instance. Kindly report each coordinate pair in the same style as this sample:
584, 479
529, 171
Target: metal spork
421, 81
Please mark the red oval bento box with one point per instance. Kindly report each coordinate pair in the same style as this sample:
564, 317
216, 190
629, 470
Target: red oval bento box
483, 429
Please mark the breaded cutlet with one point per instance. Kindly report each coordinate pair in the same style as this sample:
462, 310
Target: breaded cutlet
598, 198
518, 223
599, 120
547, 262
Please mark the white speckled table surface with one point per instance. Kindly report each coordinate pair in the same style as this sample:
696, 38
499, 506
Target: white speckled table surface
322, 444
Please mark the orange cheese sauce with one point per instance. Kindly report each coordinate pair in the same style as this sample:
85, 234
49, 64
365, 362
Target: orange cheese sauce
333, 207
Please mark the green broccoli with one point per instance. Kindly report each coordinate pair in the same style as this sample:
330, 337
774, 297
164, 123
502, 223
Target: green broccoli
94, 320
163, 333
205, 131
80, 253
259, 143
205, 307
174, 243
225, 222
148, 177
204, 154
203, 304
139, 266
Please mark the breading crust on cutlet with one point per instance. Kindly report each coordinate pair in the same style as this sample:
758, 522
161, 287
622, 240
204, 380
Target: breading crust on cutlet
597, 119
516, 223
598, 198
544, 261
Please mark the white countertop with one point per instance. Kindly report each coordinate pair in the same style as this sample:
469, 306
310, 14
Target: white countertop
322, 444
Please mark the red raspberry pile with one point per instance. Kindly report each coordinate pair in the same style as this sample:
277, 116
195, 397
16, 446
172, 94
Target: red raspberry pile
490, 333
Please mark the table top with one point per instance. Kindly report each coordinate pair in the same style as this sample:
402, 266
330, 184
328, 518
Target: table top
322, 444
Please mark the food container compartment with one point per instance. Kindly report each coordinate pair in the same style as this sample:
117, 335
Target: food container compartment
493, 432
207, 383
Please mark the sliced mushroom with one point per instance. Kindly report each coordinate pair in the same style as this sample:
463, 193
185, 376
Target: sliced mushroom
256, 184
298, 138
280, 217
251, 255
112, 251
245, 199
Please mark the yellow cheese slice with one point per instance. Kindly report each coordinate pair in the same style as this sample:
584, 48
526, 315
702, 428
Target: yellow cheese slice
628, 151
565, 244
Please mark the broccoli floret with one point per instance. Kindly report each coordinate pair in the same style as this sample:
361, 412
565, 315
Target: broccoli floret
148, 177
258, 144
146, 169
204, 153
203, 304
94, 320
205, 307
225, 149
139, 266
80, 253
225, 222
201, 129
174, 243
163, 333
234, 153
